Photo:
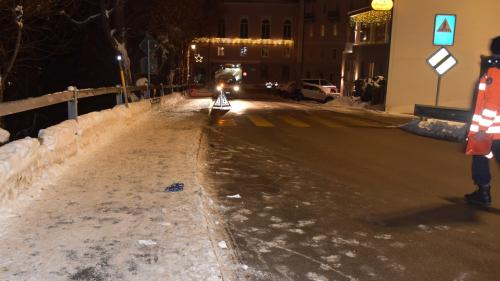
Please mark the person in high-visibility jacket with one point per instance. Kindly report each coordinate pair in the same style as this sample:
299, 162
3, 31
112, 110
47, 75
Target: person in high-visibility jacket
484, 133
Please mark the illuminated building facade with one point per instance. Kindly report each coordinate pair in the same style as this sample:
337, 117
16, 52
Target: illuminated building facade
275, 40
367, 52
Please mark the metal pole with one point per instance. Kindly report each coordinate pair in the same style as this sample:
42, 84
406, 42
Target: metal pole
124, 84
438, 89
149, 70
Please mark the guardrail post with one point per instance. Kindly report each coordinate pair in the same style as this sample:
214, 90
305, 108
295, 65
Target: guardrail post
162, 90
119, 96
73, 104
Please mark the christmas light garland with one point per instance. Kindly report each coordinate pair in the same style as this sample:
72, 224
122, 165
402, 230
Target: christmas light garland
371, 17
239, 41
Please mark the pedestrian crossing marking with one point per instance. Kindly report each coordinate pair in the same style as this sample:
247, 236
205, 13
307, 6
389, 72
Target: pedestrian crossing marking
259, 121
326, 122
226, 122
294, 121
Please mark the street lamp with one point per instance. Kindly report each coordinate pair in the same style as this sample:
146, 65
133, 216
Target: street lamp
192, 47
382, 5
122, 78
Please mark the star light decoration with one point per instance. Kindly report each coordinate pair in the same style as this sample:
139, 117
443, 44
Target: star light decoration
198, 58
371, 17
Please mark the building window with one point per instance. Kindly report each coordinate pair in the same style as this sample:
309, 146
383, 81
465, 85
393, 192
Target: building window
322, 30
220, 51
335, 30
221, 28
244, 28
287, 52
287, 30
334, 54
265, 52
311, 30
244, 51
266, 29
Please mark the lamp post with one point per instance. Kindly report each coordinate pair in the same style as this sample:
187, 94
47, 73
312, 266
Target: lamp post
193, 48
122, 78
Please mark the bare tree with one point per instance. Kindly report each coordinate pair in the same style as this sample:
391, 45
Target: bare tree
112, 16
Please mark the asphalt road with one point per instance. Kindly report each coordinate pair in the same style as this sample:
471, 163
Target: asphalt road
333, 196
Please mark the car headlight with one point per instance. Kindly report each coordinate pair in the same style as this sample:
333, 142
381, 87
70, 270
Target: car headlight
236, 88
219, 88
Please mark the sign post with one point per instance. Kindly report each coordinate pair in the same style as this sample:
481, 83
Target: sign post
444, 35
149, 45
441, 61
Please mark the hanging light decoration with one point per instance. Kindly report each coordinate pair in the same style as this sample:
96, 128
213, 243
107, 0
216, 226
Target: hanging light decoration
371, 17
382, 5
246, 41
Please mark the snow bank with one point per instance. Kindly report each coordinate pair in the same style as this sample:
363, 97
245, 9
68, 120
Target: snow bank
24, 161
171, 100
17, 165
439, 129
4, 136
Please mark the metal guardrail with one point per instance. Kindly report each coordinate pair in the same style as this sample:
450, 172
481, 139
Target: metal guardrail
72, 97
444, 113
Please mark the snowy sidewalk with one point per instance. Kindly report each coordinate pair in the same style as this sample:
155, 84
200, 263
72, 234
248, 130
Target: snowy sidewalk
108, 217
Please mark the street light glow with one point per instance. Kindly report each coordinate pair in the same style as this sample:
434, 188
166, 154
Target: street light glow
193, 47
119, 58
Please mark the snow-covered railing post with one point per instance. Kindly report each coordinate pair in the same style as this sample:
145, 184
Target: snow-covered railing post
119, 96
73, 104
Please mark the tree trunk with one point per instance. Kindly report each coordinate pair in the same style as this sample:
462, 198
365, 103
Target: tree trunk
117, 38
4, 76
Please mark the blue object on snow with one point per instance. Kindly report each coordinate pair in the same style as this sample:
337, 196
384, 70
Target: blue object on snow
175, 187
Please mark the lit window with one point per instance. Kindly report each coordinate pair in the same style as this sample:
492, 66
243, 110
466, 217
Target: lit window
266, 29
220, 51
244, 51
322, 30
244, 28
335, 30
287, 30
265, 52
221, 28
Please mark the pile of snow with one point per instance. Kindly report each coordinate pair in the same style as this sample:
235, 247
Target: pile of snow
4, 136
439, 129
352, 102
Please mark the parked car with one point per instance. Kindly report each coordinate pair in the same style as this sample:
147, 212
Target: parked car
326, 85
318, 89
289, 90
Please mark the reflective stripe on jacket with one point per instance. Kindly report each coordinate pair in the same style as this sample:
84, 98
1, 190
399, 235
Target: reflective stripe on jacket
486, 116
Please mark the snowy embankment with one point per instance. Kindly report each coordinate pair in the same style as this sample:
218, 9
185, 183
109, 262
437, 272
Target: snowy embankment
438, 129
29, 160
433, 128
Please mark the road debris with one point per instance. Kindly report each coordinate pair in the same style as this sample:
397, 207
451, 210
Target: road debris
175, 187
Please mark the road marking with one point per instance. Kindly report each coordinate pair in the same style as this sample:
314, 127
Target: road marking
259, 121
325, 122
226, 122
294, 121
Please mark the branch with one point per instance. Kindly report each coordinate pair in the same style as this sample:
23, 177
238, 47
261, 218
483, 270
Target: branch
104, 12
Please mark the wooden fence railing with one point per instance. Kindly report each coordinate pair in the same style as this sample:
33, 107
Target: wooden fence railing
72, 97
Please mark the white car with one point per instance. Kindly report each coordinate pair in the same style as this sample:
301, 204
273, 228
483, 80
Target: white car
319, 89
